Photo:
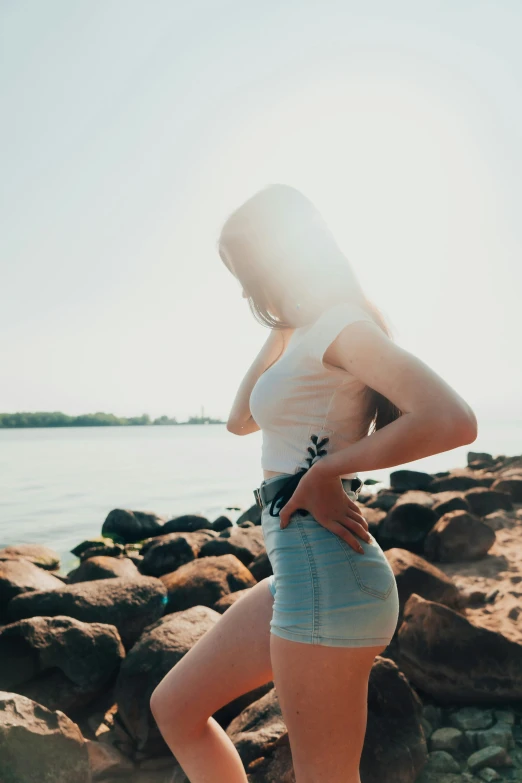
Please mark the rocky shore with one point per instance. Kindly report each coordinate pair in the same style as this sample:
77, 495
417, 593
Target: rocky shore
81, 653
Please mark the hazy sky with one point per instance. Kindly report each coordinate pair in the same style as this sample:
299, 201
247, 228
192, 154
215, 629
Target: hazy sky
131, 129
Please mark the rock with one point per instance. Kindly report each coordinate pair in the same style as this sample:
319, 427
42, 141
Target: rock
480, 456
452, 660
471, 718
257, 729
38, 745
160, 647
458, 480
483, 501
433, 714
509, 486
22, 576
103, 567
458, 536
416, 496
224, 603
260, 567
98, 546
500, 734
187, 523
59, 662
253, 514
107, 761
494, 756
244, 543
165, 554
402, 480
504, 716
488, 774
127, 604
204, 581
383, 500
38, 554
275, 768
414, 574
449, 501
406, 526
394, 745
447, 738
441, 761
221, 523
127, 527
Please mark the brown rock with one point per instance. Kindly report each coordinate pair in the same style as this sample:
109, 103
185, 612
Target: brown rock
414, 574
458, 536
127, 527
204, 581
38, 554
454, 661
38, 745
244, 543
224, 603
483, 501
166, 553
22, 576
103, 567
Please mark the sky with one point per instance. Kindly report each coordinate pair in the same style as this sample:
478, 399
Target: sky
131, 130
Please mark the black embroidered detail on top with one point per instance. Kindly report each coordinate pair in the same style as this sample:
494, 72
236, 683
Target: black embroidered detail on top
287, 490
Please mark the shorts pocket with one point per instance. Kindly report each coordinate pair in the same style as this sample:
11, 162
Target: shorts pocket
371, 569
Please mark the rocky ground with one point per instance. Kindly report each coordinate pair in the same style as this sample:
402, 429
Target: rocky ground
80, 653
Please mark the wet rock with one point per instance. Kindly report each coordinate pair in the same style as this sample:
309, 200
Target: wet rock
187, 523
484, 501
38, 745
166, 553
244, 543
127, 527
22, 576
130, 605
160, 647
103, 567
38, 554
204, 581
454, 661
458, 536
59, 662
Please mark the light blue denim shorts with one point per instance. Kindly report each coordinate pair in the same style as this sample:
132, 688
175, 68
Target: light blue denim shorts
324, 591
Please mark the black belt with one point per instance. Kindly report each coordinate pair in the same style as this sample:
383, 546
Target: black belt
281, 489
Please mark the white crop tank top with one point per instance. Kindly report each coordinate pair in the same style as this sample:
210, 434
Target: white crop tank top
298, 397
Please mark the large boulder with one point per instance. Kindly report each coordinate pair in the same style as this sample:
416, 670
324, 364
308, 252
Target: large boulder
414, 574
127, 527
103, 567
402, 480
42, 556
458, 536
166, 553
484, 501
38, 745
204, 581
128, 604
245, 543
449, 501
59, 662
160, 647
22, 576
511, 486
458, 480
455, 661
258, 728
187, 523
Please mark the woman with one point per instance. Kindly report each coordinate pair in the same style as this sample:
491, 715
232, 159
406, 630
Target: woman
333, 395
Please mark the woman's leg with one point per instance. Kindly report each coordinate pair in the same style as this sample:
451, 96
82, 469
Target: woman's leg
229, 660
323, 694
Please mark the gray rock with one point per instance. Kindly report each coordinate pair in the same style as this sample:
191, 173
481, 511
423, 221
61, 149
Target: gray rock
127, 527
441, 761
492, 756
446, 738
187, 523
403, 480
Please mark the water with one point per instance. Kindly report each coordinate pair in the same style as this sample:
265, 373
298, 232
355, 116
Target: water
58, 485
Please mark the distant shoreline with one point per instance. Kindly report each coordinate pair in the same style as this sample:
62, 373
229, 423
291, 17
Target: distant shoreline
54, 419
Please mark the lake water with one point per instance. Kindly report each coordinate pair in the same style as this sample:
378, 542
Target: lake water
57, 485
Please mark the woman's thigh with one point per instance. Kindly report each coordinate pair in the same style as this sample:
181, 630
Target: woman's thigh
323, 693
230, 659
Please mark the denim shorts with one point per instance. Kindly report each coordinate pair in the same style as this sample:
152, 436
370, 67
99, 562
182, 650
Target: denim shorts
324, 591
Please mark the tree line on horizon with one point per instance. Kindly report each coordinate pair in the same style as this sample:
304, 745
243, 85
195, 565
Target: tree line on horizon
99, 419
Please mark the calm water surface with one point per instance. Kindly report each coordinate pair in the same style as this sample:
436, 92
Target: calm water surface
57, 485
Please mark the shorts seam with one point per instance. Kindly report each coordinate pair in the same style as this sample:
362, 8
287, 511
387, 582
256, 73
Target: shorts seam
315, 581
377, 639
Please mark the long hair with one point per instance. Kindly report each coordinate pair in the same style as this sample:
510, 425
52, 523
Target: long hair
277, 242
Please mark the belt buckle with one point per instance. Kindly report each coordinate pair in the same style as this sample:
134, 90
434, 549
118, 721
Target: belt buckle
257, 495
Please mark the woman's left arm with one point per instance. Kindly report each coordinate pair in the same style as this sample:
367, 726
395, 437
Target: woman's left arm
435, 418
